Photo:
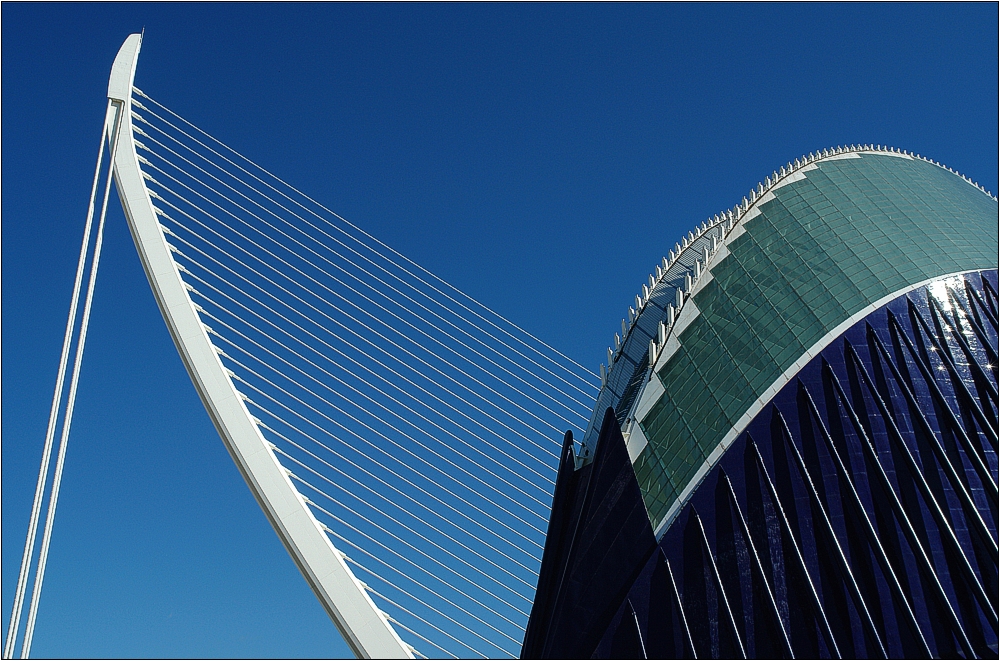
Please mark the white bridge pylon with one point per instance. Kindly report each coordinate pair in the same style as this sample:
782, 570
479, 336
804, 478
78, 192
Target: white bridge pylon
366, 402
362, 624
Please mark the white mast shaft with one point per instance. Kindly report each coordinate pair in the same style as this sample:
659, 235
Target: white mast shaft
363, 625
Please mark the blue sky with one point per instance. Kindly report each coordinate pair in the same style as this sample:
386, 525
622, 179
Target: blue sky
540, 157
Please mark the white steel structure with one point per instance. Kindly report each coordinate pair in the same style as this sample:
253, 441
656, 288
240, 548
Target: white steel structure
364, 626
423, 427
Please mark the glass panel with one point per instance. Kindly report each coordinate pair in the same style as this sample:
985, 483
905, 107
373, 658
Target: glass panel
852, 232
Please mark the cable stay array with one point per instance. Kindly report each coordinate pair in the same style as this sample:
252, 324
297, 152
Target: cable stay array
401, 437
420, 427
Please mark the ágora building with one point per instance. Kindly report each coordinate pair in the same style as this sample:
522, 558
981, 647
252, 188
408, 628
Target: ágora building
794, 452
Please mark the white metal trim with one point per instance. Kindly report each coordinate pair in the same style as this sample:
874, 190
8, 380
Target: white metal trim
363, 625
772, 390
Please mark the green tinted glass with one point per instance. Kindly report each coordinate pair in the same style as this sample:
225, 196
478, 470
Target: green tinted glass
854, 231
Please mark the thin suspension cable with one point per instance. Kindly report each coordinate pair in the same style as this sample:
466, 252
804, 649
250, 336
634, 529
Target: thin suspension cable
306, 389
71, 400
353, 304
36, 506
429, 464
416, 486
406, 628
338, 351
328, 387
327, 247
411, 614
298, 446
297, 430
376, 240
338, 295
265, 196
376, 290
414, 615
324, 401
382, 400
365, 297
388, 470
299, 340
425, 605
333, 516
299, 478
356, 334
399, 606
348, 329
402, 541
327, 479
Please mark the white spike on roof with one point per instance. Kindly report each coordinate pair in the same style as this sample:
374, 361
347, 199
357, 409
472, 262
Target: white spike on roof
730, 218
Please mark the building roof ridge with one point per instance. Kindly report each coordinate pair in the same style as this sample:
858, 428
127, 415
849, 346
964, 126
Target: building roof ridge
729, 219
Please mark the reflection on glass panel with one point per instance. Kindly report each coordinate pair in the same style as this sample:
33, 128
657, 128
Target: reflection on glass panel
850, 233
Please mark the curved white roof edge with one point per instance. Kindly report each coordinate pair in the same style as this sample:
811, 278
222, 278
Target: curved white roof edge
365, 628
729, 221
660, 527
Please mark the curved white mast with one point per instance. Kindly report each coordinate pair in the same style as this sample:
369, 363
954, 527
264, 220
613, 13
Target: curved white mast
363, 625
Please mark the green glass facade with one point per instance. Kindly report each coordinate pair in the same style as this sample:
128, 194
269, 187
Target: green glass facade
856, 229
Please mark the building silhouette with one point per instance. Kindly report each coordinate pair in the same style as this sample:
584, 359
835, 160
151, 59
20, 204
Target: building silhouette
794, 452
